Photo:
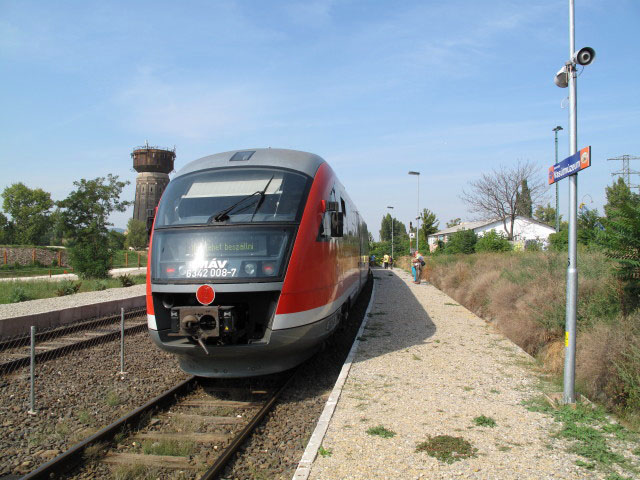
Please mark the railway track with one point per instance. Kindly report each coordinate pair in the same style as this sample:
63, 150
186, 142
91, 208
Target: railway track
15, 353
190, 431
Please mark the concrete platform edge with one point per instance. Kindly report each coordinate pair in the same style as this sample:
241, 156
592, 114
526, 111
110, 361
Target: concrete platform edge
10, 327
309, 455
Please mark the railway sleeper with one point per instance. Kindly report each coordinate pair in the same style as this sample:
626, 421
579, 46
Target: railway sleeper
162, 461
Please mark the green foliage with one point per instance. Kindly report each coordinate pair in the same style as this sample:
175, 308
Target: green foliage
546, 215
462, 241
126, 280
492, 241
85, 218
447, 449
29, 210
559, 242
68, 287
429, 223
524, 205
589, 226
324, 452
618, 194
136, 234
168, 447
381, 431
18, 294
116, 240
399, 228
483, 421
628, 369
453, 222
6, 230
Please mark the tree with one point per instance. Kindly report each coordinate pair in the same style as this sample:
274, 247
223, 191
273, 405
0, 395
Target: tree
492, 241
29, 210
399, 228
116, 240
462, 241
546, 215
85, 217
137, 236
621, 242
6, 230
454, 222
589, 225
429, 223
495, 194
524, 206
618, 195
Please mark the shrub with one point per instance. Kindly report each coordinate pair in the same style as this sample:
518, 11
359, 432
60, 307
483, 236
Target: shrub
126, 280
18, 294
462, 241
67, 287
492, 241
91, 259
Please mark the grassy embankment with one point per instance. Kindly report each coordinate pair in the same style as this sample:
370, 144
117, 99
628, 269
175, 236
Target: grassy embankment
21, 291
523, 294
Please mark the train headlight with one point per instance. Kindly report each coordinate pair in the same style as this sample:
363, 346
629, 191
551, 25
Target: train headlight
250, 268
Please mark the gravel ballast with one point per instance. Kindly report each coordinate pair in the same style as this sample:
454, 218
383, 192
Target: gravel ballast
425, 367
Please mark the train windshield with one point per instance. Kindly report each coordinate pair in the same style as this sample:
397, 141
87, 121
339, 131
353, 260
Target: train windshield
233, 195
239, 253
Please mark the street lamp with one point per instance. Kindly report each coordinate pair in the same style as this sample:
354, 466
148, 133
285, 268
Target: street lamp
417, 219
556, 130
392, 222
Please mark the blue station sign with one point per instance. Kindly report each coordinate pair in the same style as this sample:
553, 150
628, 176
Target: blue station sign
570, 165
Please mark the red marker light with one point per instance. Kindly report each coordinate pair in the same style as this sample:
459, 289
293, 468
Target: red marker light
171, 270
205, 294
268, 268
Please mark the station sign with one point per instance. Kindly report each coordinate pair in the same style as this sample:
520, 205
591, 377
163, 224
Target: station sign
570, 165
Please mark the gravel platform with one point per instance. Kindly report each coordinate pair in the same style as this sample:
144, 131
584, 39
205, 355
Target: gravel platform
426, 366
43, 305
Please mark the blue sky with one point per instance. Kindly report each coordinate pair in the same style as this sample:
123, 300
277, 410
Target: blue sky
451, 89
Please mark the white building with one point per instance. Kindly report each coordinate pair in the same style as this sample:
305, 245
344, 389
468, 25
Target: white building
523, 229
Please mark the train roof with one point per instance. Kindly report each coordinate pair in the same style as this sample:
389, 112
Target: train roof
261, 157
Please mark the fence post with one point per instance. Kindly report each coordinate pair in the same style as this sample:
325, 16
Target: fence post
32, 409
33, 256
138, 259
126, 259
59, 258
5, 256
122, 372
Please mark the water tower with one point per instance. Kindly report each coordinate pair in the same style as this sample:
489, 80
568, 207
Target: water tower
153, 165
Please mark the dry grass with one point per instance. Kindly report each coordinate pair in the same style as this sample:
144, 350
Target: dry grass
523, 294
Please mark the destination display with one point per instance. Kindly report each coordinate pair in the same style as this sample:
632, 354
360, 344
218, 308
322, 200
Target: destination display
570, 165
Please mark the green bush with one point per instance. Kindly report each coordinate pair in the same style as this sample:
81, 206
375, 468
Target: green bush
492, 241
67, 287
91, 259
126, 280
18, 294
462, 241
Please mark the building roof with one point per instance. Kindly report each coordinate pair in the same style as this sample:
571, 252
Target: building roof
482, 223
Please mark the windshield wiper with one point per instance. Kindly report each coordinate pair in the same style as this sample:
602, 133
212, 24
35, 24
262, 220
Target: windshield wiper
223, 214
262, 195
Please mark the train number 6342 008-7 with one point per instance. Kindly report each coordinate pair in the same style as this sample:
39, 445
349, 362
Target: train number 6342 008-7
212, 272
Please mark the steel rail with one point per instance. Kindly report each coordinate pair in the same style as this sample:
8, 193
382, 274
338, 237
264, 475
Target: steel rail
233, 447
11, 365
71, 328
71, 457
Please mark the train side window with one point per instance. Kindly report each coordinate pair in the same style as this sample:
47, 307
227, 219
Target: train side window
344, 207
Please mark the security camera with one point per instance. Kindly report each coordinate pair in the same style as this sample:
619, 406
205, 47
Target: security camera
562, 79
584, 56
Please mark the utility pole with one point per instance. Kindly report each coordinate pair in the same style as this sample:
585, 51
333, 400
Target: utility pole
626, 171
556, 130
417, 174
392, 222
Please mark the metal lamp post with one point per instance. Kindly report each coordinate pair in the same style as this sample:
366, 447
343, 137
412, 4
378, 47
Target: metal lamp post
556, 130
392, 222
417, 174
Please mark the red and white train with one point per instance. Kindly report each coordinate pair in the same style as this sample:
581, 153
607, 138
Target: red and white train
255, 257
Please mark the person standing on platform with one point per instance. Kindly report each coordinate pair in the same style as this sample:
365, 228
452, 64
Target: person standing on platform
418, 263
390, 262
385, 260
